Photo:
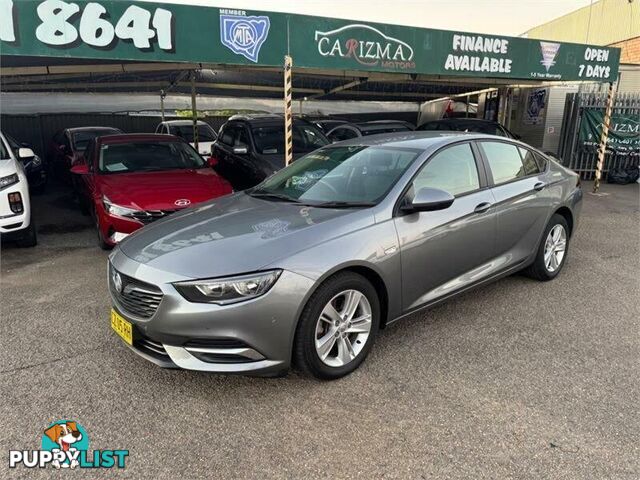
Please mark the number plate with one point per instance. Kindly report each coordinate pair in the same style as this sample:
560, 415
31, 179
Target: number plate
122, 327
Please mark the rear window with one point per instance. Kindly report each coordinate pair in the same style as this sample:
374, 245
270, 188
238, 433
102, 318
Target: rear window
478, 127
81, 139
205, 133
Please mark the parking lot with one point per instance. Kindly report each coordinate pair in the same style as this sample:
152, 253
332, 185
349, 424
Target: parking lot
518, 379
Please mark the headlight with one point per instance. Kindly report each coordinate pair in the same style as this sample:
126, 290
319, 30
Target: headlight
118, 210
8, 180
224, 291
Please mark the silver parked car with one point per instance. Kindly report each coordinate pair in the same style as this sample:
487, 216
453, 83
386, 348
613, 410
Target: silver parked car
308, 265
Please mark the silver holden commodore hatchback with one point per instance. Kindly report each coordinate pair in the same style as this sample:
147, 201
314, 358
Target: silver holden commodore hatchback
306, 267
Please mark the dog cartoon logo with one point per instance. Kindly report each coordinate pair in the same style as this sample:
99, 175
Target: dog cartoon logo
65, 436
244, 35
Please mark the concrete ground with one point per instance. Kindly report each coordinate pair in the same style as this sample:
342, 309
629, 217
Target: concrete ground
516, 380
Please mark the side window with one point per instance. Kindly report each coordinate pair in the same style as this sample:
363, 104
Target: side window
529, 161
340, 134
88, 153
542, 162
452, 170
240, 136
226, 135
159, 128
504, 161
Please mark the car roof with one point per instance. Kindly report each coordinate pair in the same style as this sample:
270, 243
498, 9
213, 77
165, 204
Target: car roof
264, 119
183, 122
420, 140
463, 120
88, 129
139, 137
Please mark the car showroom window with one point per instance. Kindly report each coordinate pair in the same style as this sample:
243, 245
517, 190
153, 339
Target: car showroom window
504, 161
529, 161
452, 170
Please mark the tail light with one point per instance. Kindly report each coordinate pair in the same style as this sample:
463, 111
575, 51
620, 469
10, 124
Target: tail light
15, 202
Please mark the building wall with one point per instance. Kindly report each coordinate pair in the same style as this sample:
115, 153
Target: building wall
630, 50
604, 23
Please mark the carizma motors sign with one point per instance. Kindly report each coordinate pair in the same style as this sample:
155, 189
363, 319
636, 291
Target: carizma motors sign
367, 46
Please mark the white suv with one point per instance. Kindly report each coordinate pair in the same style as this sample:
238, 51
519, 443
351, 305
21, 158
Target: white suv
15, 207
184, 130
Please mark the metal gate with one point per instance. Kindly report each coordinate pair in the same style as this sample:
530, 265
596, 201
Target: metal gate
583, 159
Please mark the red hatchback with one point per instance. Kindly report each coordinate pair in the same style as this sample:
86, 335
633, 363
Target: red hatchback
128, 181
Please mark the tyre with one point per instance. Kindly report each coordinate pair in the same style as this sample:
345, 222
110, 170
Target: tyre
337, 327
28, 237
101, 241
552, 252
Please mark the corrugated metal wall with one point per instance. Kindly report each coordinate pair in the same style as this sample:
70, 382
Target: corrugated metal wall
37, 130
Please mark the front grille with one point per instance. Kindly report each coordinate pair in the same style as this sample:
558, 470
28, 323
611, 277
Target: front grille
148, 216
135, 297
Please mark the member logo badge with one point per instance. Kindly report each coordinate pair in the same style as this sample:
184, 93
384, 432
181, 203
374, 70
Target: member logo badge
244, 35
182, 202
549, 52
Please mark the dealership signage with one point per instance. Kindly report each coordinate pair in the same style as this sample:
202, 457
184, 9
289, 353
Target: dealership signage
624, 131
177, 32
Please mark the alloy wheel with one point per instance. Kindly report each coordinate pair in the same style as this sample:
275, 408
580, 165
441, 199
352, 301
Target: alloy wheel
554, 248
343, 328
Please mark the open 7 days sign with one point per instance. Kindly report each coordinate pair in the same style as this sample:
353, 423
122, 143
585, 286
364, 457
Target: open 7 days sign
176, 32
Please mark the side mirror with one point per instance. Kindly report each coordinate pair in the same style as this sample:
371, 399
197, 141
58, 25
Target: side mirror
80, 169
429, 200
241, 150
25, 152
212, 161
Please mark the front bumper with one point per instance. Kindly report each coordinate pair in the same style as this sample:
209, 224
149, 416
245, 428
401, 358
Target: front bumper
255, 336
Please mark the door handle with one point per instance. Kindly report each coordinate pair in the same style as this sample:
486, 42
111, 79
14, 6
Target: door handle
483, 207
539, 186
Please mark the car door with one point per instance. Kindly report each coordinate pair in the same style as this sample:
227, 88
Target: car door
522, 198
446, 250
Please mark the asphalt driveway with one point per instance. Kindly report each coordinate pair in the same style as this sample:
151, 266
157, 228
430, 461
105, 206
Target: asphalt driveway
518, 379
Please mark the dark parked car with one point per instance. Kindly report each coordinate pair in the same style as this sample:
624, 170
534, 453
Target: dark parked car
327, 124
364, 129
476, 125
249, 148
34, 167
69, 144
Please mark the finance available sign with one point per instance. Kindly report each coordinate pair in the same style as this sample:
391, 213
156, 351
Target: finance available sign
130, 30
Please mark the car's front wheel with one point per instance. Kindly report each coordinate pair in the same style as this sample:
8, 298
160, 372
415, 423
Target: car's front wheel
552, 252
337, 327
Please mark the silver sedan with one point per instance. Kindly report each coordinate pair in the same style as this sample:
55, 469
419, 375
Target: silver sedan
306, 267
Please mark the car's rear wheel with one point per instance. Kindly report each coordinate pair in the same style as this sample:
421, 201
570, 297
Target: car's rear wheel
337, 327
552, 252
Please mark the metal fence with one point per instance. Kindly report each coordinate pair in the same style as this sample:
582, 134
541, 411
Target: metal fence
37, 130
583, 159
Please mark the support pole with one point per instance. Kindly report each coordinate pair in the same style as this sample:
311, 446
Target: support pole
602, 148
162, 95
288, 119
194, 110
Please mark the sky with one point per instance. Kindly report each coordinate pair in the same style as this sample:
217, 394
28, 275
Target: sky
504, 17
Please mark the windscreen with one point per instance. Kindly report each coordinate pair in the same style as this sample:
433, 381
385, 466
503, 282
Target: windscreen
147, 156
355, 174
269, 139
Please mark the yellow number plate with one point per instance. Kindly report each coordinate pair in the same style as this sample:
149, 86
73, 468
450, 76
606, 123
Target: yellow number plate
122, 327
